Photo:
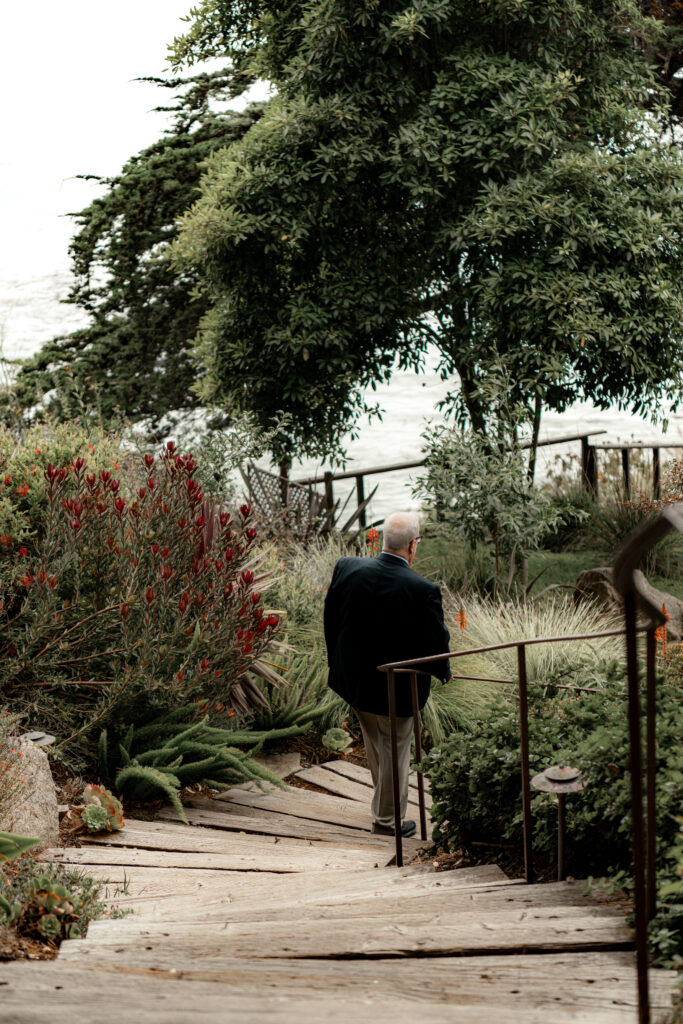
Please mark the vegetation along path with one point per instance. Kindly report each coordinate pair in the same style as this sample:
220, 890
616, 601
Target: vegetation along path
283, 906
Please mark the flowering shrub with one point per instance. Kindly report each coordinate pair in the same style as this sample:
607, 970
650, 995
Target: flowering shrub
137, 583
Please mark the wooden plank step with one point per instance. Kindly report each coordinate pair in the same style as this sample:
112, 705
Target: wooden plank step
362, 775
601, 981
155, 891
158, 943
170, 835
217, 902
404, 913
302, 803
213, 814
375, 906
324, 857
57, 993
339, 784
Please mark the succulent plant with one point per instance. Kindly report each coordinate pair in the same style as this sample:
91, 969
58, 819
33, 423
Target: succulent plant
9, 912
94, 817
49, 926
101, 810
12, 846
336, 740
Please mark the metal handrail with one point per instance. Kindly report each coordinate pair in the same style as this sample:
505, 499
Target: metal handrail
644, 849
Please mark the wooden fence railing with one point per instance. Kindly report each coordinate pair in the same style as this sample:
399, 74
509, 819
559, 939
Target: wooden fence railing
588, 470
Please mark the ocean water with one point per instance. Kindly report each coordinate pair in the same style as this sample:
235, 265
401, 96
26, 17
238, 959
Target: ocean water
31, 312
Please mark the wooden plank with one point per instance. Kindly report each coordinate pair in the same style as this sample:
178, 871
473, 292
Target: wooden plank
221, 902
156, 891
303, 804
169, 835
273, 860
157, 943
376, 906
206, 813
58, 992
342, 786
362, 775
590, 980
213, 912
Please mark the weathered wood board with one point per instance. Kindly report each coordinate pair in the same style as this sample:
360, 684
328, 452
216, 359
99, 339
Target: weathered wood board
275, 905
345, 787
60, 993
358, 773
303, 803
328, 857
158, 943
271, 824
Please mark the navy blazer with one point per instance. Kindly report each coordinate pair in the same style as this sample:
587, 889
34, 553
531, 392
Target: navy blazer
379, 610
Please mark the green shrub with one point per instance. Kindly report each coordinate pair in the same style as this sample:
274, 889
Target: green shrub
475, 782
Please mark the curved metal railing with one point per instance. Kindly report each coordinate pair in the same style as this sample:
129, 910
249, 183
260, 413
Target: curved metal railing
644, 837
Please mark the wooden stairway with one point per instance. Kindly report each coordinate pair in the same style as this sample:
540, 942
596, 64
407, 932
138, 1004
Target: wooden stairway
282, 906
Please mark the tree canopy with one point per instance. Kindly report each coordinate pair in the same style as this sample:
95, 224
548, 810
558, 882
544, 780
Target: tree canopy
134, 359
485, 177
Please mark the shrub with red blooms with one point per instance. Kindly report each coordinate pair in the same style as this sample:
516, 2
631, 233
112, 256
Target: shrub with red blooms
137, 585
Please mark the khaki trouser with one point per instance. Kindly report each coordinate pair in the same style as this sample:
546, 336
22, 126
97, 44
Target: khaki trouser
377, 740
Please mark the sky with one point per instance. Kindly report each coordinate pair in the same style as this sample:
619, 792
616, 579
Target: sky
71, 106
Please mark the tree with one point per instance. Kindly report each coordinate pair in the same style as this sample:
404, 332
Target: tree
487, 178
134, 359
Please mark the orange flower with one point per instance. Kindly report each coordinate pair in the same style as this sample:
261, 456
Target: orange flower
461, 620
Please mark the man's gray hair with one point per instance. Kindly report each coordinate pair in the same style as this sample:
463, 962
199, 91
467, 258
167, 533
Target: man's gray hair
399, 529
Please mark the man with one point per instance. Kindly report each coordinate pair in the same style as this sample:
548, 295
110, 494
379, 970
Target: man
380, 610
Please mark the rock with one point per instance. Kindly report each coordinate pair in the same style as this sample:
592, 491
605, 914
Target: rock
597, 585
32, 809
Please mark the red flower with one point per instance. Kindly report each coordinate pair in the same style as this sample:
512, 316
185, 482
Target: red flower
42, 576
149, 595
149, 461
52, 582
224, 518
170, 447
204, 664
27, 581
258, 613
164, 552
255, 597
273, 621
166, 572
262, 625
245, 511
8, 480
247, 577
180, 675
125, 608
105, 475
251, 533
23, 552
183, 603
119, 505
91, 480
142, 493
114, 486
155, 549
151, 483
247, 649
79, 463
75, 525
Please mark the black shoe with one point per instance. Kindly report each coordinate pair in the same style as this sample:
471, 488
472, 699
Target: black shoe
408, 829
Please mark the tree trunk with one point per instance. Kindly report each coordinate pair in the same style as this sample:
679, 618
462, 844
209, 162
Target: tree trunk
471, 400
538, 406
